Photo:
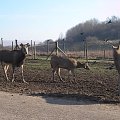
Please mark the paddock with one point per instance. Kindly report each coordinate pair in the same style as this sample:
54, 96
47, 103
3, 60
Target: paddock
99, 83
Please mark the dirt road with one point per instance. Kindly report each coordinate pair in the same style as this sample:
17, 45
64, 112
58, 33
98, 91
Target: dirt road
22, 107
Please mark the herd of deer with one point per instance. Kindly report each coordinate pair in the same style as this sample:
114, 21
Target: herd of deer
16, 58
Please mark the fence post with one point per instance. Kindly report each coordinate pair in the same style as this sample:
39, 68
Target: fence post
86, 51
104, 50
12, 45
63, 45
34, 51
16, 45
2, 43
56, 47
48, 47
104, 53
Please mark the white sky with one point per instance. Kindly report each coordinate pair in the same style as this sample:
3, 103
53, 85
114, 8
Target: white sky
39, 20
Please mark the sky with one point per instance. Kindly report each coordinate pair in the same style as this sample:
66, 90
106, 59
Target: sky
39, 20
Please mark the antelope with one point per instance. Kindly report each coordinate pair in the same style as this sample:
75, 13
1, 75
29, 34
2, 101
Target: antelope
15, 58
70, 64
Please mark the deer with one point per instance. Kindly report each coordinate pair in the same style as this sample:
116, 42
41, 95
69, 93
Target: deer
15, 58
116, 57
70, 64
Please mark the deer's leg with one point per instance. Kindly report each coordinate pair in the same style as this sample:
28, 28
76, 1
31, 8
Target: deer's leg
58, 72
13, 74
5, 70
119, 84
53, 71
73, 73
69, 73
22, 74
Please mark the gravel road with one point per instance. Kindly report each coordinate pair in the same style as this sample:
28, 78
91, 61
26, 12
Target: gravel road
23, 107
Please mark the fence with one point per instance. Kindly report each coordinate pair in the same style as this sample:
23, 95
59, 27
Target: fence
81, 50
90, 52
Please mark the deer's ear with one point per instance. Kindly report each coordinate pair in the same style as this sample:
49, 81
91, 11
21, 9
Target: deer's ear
28, 44
21, 45
114, 47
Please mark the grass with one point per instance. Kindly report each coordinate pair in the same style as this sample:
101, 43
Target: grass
96, 66
37, 64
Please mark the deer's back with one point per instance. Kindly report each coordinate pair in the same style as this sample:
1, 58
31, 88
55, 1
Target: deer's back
14, 57
63, 62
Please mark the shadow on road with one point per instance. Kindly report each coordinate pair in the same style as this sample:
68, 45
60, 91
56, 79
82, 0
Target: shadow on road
71, 99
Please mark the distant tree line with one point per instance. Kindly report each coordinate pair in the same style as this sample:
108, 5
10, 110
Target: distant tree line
93, 31
94, 28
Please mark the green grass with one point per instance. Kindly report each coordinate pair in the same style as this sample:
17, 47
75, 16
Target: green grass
37, 64
99, 67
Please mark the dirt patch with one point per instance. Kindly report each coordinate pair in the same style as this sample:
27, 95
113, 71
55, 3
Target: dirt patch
91, 85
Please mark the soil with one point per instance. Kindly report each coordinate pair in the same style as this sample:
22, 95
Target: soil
88, 85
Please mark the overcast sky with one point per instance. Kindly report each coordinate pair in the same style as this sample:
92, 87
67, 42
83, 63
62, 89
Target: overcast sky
39, 20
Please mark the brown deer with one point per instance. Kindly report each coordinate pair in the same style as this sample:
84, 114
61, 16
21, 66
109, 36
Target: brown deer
15, 58
116, 56
70, 64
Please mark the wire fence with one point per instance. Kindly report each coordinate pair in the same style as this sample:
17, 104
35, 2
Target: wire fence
81, 50
96, 52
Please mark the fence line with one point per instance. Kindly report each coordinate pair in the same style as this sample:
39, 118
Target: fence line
97, 52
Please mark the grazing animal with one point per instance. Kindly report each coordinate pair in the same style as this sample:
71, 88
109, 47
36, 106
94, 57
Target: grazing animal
70, 64
15, 58
116, 55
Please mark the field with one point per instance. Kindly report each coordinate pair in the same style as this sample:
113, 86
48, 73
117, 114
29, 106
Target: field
99, 83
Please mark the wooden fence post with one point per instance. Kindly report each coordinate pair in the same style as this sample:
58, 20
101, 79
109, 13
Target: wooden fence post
56, 47
16, 45
2, 43
86, 51
104, 50
12, 45
34, 51
48, 47
63, 45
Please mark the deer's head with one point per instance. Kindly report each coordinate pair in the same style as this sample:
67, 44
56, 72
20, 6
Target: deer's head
115, 48
24, 48
83, 65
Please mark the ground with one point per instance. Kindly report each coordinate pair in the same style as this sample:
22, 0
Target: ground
99, 83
